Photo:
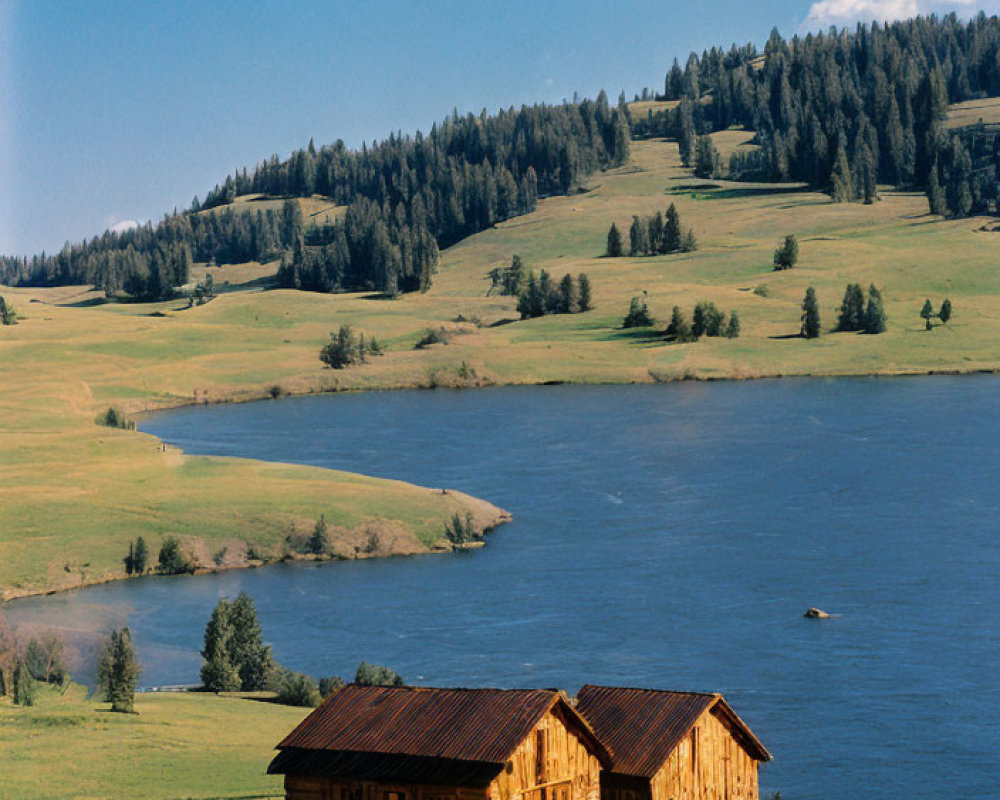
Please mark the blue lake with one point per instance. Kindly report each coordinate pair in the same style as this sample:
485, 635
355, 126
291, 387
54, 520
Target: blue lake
664, 536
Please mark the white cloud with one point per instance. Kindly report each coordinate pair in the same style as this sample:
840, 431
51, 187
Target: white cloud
847, 12
124, 225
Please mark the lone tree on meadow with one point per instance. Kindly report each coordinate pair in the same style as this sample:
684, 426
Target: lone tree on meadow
614, 242
945, 313
118, 670
810, 315
927, 312
786, 256
8, 316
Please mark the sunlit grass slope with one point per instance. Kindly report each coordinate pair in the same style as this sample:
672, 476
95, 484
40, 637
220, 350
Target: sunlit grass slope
177, 745
73, 493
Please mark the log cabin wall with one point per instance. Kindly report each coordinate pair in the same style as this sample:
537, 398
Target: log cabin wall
301, 787
552, 763
708, 764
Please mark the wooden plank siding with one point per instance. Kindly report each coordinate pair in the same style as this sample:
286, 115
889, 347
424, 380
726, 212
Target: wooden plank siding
708, 764
551, 763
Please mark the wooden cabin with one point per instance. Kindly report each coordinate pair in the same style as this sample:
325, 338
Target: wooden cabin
401, 743
672, 745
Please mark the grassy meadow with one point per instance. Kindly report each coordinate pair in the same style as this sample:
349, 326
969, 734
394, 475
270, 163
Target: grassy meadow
75, 493
70, 746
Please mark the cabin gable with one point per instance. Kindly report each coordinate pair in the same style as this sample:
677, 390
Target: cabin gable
709, 763
552, 762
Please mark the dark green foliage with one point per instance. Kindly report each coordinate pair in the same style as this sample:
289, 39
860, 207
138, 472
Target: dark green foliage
707, 320
44, 658
376, 675
787, 255
927, 312
118, 670
852, 309
432, 336
24, 685
614, 249
297, 689
234, 655
346, 349
945, 313
844, 110
8, 316
319, 542
510, 280
113, 418
137, 559
659, 235
583, 292
568, 296
406, 196
707, 163
679, 330
638, 314
542, 296
462, 530
638, 234
329, 685
733, 328
810, 315
173, 560
875, 318
689, 243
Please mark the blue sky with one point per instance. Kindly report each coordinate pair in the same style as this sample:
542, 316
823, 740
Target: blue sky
114, 111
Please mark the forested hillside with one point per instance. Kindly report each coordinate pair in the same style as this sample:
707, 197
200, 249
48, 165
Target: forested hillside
405, 197
842, 111
845, 110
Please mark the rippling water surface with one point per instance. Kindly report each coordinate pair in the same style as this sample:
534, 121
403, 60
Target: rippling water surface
664, 536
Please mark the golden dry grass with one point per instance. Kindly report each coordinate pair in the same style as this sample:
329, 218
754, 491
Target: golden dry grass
972, 111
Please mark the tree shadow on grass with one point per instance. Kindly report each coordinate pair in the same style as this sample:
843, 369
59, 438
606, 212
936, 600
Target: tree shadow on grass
633, 336
788, 336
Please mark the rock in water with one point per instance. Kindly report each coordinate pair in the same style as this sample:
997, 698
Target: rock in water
816, 613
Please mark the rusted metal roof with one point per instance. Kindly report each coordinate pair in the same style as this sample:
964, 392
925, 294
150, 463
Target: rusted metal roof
642, 727
480, 725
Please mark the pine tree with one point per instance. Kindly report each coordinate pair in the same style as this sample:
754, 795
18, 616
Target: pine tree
927, 312
583, 292
140, 558
218, 672
24, 685
249, 655
638, 314
707, 162
568, 301
672, 230
614, 242
689, 243
875, 319
319, 542
852, 309
945, 313
638, 237
678, 330
733, 328
810, 315
118, 670
787, 256
841, 186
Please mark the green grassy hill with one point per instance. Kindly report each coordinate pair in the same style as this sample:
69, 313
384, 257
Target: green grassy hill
75, 493
69, 746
